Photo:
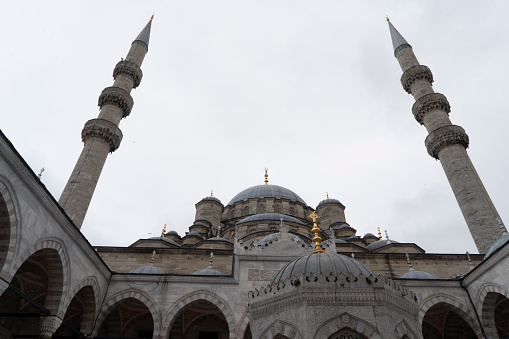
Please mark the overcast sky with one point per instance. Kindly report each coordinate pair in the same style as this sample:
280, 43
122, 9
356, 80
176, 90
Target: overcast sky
309, 89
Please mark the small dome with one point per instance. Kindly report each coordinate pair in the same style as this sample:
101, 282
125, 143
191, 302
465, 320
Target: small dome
346, 226
193, 233
379, 244
266, 191
370, 235
322, 263
275, 236
212, 199
147, 270
418, 275
208, 271
270, 216
338, 221
197, 223
329, 201
339, 241
353, 237
172, 233
499, 243
165, 239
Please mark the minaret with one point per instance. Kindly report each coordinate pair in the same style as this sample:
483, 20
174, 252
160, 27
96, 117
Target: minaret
102, 135
447, 142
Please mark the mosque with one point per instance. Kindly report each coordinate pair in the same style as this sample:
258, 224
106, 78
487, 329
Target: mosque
263, 265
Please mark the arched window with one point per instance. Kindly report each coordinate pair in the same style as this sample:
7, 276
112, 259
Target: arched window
277, 208
246, 210
292, 211
261, 208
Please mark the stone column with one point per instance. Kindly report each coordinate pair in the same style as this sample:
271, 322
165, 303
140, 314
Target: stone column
447, 142
48, 325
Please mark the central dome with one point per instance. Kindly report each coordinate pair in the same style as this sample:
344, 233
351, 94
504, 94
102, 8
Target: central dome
266, 191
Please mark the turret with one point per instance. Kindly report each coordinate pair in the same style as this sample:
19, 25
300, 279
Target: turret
211, 209
330, 211
447, 142
102, 136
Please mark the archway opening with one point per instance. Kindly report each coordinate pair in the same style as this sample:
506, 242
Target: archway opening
247, 333
200, 319
443, 321
128, 318
80, 314
36, 289
495, 314
5, 230
347, 334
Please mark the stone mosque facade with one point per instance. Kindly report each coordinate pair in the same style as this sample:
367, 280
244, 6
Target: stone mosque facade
260, 266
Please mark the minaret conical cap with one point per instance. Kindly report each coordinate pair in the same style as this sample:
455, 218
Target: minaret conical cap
397, 39
144, 35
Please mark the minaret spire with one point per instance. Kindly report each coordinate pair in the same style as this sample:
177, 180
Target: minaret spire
447, 142
102, 135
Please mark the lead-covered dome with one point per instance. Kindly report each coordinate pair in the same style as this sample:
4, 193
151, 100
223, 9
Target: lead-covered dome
270, 216
421, 275
322, 263
147, 270
266, 191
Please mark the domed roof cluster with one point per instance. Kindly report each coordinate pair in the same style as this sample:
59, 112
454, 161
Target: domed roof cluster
270, 216
266, 191
327, 264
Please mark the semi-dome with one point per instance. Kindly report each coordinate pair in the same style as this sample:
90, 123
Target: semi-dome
329, 201
270, 216
418, 275
266, 191
275, 236
499, 243
379, 244
147, 270
370, 235
172, 233
322, 263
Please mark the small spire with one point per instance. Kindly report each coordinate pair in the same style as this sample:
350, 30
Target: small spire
397, 39
211, 260
266, 176
163, 233
153, 257
470, 263
144, 35
386, 235
327, 194
379, 233
410, 268
152, 17
40, 173
316, 231
218, 231
387, 17
353, 256
211, 193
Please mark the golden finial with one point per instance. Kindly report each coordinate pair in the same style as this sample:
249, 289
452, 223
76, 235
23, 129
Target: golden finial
379, 234
152, 17
211, 193
387, 17
164, 231
327, 194
316, 231
266, 176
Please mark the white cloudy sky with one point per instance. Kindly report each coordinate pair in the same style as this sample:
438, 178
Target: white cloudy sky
309, 89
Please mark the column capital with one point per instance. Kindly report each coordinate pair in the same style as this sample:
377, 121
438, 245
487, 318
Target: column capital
445, 136
130, 69
118, 97
48, 325
428, 103
104, 129
414, 73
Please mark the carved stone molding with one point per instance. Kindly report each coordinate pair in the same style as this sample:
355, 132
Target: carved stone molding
48, 325
415, 73
430, 102
118, 97
104, 129
445, 136
129, 69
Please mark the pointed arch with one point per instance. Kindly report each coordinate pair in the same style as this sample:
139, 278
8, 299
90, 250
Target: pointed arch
452, 304
142, 297
281, 329
346, 321
59, 274
171, 316
89, 289
9, 227
487, 301
243, 324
